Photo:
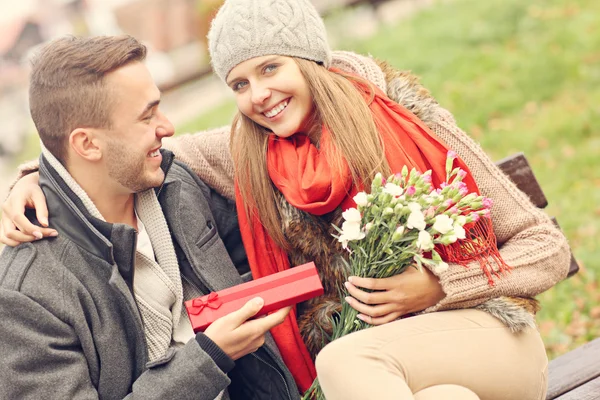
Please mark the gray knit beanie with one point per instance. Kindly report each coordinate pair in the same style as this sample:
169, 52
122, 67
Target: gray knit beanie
245, 29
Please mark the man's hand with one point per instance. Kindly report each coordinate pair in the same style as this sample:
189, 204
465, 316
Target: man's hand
237, 336
15, 227
405, 293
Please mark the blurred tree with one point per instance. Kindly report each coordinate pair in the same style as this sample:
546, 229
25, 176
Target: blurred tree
207, 9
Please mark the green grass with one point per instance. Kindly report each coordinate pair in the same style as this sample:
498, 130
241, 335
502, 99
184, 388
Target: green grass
218, 116
518, 76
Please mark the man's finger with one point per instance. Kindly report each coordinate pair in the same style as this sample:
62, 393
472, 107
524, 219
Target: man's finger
368, 297
248, 310
275, 318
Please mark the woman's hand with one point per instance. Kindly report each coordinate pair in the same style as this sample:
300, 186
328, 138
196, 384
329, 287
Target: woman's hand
15, 227
405, 293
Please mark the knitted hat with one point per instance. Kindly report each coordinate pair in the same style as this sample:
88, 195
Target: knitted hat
245, 29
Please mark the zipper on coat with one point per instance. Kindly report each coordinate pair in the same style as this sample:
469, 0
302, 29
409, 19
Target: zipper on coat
287, 389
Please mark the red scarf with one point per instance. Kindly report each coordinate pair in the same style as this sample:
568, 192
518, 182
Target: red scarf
305, 178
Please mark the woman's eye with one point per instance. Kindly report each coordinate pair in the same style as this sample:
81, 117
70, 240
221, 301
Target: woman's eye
238, 86
270, 68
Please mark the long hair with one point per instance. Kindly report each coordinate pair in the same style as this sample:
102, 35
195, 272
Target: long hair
340, 107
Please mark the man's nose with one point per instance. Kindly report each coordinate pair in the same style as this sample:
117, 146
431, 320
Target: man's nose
165, 127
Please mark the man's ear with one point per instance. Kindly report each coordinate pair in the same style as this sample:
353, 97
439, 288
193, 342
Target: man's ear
86, 144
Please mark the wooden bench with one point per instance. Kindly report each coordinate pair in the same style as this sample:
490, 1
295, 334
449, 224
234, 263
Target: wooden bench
575, 375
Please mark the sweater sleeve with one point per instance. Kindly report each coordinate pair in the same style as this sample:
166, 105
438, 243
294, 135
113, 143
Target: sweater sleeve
534, 248
207, 154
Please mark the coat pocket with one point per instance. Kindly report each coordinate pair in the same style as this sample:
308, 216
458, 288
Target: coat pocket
209, 233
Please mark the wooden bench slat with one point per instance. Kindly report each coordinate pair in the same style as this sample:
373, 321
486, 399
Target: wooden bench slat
519, 171
588, 391
573, 369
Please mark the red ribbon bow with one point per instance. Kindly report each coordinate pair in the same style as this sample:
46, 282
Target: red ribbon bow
212, 301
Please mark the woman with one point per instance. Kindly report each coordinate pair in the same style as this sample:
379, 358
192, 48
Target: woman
307, 136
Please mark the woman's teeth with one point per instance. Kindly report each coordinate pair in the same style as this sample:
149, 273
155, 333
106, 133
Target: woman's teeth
276, 110
155, 153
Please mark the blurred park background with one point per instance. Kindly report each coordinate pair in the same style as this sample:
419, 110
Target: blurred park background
518, 76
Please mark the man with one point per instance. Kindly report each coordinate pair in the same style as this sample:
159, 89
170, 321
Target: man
98, 310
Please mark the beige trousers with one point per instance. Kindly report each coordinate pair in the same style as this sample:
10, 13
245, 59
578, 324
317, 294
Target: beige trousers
449, 355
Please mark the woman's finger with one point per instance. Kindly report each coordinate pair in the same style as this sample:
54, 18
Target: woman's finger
368, 297
39, 203
380, 320
20, 237
6, 240
27, 227
373, 311
368, 283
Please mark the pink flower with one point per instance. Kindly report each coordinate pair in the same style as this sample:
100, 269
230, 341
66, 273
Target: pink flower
475, 217
485, 212
410, 191
443, 185
430, 212
461, 173
487, 203
452, 154
427, 178
462, 188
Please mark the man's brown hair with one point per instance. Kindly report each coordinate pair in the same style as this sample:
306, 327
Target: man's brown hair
67, 86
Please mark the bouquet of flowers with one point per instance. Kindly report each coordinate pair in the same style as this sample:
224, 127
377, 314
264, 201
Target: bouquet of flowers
398, 225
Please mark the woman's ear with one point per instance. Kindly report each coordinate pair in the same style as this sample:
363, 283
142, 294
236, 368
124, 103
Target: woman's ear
85, 144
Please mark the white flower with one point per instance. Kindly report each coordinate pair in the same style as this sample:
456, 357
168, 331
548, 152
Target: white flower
461, 220
416, 220
459, 231
424, 241
351, 215
443, 224
448, 239
412, 206
350, 231
361, 199
397, 235
440, 267
393, 189
368, 227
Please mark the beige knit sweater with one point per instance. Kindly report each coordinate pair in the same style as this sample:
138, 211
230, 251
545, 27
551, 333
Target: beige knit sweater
529, 242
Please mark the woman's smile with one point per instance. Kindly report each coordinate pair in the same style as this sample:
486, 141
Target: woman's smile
277, 110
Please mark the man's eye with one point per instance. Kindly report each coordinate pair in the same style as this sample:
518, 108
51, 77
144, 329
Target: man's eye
149, 117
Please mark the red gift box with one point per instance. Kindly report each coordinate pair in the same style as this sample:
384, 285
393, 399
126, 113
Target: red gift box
278, 290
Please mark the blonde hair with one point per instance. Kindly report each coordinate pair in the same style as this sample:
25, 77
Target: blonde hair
342, 109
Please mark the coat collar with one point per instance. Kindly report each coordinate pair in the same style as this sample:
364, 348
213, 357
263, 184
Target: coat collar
69, 216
